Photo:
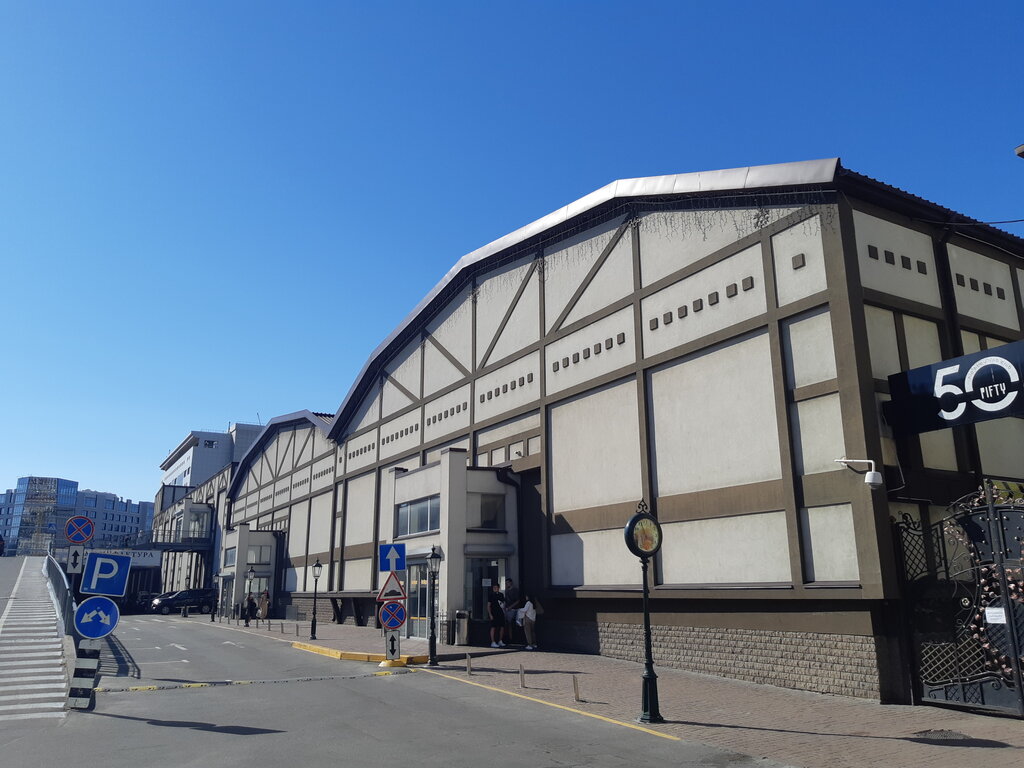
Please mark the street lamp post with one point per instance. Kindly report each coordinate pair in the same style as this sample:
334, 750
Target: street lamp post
317, 570
643, 539
250, 575
433, 567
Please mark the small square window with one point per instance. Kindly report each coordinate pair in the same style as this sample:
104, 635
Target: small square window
922, 268
987, 288
732, 289
890, 257
575, 357
683, 311
654, 324
620, 339
905, 262
747, 283
961, 281
974, 284
873, 252
800, 261
698, 305
712, 298
586, 353
1000, 293
666, 318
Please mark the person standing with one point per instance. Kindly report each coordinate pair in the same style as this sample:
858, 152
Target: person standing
264, 609
249, 608
496, 614
512, 605
527, 615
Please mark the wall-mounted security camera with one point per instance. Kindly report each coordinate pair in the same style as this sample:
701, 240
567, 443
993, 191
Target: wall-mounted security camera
872, 479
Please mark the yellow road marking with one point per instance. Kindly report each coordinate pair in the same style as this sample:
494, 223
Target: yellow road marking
634, 726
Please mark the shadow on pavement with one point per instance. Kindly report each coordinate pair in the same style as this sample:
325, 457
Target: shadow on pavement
938, 739
116, 661
233, 730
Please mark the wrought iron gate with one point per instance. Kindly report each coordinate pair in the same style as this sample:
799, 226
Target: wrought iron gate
964, 590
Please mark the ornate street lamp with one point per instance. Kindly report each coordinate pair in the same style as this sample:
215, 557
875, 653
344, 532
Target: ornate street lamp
250, 575
433, 567
317, 570
643, 539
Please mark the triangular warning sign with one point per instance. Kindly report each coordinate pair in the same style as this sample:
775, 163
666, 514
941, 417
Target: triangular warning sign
392, 589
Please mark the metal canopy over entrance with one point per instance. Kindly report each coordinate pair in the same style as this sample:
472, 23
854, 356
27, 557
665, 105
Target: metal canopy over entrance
964, 589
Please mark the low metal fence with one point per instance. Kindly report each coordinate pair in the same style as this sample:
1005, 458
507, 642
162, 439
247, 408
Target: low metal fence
62, 593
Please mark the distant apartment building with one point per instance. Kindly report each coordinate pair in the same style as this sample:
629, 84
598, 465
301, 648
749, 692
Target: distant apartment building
33, 515
185, 510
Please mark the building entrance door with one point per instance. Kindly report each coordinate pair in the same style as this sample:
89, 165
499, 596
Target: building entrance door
418, 606
481, 573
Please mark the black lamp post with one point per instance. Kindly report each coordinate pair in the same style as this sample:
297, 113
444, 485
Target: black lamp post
433, 567
643, 539
250, 575
317, 570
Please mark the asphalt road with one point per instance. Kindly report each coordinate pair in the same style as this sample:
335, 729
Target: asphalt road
272, 705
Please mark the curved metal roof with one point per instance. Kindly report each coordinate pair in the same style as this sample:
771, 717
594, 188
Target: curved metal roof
754, 177
807, 173
321, 421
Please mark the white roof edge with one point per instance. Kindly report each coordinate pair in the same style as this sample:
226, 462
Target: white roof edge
820, 171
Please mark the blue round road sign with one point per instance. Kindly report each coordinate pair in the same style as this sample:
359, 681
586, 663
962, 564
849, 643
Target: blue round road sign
96, 617
79, 529
392, 615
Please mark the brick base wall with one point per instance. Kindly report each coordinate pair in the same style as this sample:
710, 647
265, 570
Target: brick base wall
810, 661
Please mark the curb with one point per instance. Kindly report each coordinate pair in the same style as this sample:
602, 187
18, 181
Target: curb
359, 656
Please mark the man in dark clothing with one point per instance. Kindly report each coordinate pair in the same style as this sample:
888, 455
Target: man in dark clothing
249, 609
496, 614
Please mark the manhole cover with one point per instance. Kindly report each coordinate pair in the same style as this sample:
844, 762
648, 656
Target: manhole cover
942, 735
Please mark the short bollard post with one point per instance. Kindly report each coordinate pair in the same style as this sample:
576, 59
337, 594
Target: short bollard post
522, 677
576, 688
469, 664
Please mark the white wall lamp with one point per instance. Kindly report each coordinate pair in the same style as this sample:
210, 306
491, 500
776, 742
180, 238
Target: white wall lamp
872, 479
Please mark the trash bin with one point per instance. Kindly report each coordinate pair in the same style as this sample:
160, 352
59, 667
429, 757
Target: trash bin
461, 628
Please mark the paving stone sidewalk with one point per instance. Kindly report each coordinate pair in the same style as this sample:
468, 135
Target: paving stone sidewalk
792, 727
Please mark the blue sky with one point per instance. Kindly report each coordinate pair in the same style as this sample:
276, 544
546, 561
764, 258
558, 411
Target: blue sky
214, 211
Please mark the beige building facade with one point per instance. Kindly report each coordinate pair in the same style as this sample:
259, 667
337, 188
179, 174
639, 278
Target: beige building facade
707, 343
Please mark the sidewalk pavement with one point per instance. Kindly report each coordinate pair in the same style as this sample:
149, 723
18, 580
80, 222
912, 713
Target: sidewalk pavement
792, 727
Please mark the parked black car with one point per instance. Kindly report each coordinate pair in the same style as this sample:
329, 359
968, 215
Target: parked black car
201, 599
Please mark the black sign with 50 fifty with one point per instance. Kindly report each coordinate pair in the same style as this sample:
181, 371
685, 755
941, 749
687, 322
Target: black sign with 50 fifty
965, 390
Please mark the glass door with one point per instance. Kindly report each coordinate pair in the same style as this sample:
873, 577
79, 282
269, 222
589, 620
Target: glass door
417, 605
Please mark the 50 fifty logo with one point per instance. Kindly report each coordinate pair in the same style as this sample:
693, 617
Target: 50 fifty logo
991, 397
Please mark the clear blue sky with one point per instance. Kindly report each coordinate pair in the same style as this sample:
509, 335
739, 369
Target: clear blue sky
213, 210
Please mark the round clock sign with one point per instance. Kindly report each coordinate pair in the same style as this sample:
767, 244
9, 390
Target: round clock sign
643, 534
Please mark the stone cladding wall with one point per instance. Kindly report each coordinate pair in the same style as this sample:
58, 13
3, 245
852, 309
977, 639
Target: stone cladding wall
810, 661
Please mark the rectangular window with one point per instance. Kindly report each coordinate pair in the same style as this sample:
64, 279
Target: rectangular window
259, 555
90, 501
418, 516
229, 556
485, 510
209, 443
108, 504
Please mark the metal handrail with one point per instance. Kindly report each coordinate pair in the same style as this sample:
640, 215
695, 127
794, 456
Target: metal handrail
61, 591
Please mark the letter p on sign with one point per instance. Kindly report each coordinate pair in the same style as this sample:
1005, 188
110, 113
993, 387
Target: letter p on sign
106, 574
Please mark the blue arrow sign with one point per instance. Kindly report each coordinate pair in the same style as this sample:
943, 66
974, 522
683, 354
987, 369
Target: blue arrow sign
96, 617
392, 557
105, 574
392, 615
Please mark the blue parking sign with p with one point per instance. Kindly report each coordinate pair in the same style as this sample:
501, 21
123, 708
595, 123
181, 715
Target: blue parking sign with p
105, 574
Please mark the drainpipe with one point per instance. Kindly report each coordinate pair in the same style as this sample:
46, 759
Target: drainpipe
504, 475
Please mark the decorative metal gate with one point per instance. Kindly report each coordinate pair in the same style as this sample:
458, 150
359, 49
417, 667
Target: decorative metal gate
964, 591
